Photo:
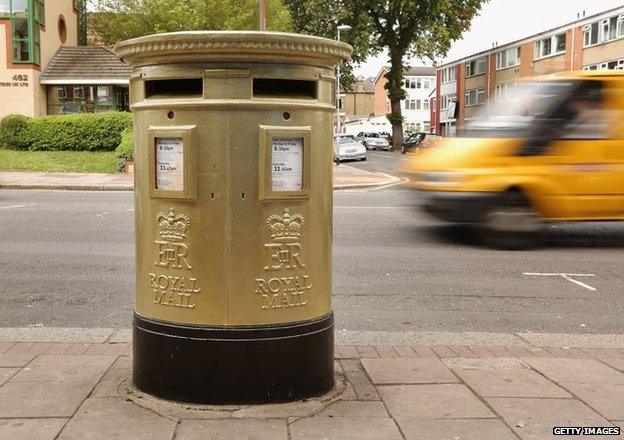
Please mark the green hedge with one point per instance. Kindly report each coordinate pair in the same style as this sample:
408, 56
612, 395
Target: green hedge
14, 132
77, 132
125, 149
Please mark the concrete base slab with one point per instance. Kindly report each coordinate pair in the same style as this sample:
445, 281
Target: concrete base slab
42, 399
510, 383
444, 401
344, 428
475, 429
533, 419
105, 419
407, 371
607, 399
577, 370
30, 429
240, 429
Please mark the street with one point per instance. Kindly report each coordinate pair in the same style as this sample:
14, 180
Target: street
68, 261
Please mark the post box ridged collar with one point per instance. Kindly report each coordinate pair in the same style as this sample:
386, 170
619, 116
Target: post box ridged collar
223, 46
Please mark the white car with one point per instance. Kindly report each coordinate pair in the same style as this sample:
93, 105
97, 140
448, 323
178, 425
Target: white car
348, 147
374, 141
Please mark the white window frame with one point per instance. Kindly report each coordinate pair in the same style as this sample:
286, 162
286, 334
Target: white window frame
425, 105
503, 58
478, 69
539, 52
475, 97
588, 34
619, 26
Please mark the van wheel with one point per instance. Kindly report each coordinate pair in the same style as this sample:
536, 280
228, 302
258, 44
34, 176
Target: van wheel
511, 223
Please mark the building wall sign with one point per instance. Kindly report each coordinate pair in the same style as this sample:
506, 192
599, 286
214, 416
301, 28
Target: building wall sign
18, 80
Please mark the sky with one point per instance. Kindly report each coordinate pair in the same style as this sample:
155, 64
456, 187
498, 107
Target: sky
505, 21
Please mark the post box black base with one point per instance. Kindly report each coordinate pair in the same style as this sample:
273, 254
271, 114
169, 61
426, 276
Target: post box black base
233, 365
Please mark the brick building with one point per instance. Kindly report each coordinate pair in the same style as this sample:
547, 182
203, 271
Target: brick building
466, 86
419, 83
39, 53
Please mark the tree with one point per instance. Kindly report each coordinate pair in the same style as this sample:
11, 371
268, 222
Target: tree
320, 18
418, 28
117, 20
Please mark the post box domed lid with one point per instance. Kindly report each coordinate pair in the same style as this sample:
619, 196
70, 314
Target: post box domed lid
233, 46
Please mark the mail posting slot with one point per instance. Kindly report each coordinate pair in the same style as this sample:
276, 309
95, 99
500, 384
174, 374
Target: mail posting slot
233, 208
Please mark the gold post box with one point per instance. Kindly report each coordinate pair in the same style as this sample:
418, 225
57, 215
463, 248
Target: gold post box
233, 207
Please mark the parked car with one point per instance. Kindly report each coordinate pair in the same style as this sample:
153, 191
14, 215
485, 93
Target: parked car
552, 152
348, 147
374, 141
419, 141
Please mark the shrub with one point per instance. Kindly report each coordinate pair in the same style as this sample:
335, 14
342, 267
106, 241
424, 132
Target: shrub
125, 149
80, 132
77, 132
14, 132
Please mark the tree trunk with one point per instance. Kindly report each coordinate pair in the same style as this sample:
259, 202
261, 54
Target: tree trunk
397, 125
396, 93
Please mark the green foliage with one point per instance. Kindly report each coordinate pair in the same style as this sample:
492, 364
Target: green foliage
125, 149
117, 20
14, 132
423, 29
395, 118
78, 132
320, 18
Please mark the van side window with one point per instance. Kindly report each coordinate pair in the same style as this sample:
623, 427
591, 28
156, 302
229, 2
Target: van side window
585, 113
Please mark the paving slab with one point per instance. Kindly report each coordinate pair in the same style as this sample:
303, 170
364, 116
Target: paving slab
356, 376
105, 419
607, 399
55, 334
576, 370
42, 399
407, 371
344, 428
7, 373
485, 363
30, 429
365, 337
15, 360
534, 419
122, 335
510, 383
65, 368
574, 340
239, 429
355, 409
616, 363
439, 401
479, 429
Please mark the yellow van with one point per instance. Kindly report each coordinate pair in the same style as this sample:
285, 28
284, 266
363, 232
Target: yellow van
552, 151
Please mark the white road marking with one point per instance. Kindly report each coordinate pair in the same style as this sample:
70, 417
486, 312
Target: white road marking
16, 206
567, 277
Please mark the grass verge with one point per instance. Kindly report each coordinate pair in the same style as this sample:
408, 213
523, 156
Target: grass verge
58, 161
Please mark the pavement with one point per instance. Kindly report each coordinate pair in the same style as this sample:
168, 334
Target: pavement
345, 177
71, 384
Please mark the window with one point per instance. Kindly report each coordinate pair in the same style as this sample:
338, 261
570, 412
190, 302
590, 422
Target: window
448, 74
550, 46
475, 97
508, 58
425, 104
426, 83
620, 26
475, 67
25, 17
5, 8
413, 104
446, 101
590, 34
